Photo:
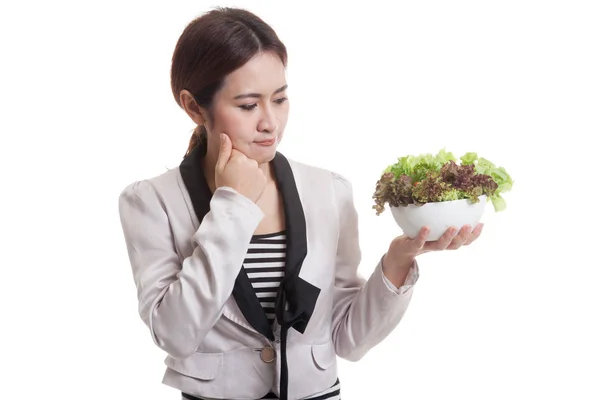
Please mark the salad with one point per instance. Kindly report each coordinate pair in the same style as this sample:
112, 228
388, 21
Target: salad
427, 178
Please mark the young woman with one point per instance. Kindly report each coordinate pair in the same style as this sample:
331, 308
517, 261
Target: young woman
245, 261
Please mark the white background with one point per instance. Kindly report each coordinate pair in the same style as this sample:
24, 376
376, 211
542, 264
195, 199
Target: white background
87, 108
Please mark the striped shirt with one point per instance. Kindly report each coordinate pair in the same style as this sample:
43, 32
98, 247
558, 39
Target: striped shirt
265, 266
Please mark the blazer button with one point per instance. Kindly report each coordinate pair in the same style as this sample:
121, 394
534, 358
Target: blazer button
267, 354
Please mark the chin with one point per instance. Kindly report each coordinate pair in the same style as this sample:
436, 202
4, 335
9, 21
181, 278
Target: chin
266, 154
265, 158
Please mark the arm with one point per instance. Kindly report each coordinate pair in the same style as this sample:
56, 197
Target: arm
365, 311
180, 301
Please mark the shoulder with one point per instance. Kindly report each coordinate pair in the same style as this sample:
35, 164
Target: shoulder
309, 169
151, 190
341, 184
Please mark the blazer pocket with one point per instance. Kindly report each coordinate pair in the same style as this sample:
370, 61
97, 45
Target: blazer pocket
204, 366
323, 355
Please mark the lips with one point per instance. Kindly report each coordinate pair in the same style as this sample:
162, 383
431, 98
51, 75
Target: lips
268, 142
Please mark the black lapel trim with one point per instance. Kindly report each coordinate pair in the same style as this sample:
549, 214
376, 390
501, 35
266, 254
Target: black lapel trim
193, 178
249, 304
301, 296
195, 182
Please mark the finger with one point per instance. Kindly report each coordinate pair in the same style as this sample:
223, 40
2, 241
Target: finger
460, 238
236, 154
420, 240
224, 151
443, 242
475, 234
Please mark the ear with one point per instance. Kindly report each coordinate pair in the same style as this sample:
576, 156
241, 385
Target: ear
194, 111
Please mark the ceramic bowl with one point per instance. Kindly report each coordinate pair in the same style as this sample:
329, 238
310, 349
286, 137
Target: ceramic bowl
438, 216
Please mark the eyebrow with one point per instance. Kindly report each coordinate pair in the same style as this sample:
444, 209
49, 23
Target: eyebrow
258, 95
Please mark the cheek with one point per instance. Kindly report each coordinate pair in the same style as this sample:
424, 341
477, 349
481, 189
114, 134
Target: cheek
282, 119
235, 124
283, 112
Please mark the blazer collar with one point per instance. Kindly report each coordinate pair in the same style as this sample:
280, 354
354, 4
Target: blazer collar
296, 297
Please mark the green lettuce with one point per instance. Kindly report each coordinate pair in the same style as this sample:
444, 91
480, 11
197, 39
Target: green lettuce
498, 174
426, 178
416, 167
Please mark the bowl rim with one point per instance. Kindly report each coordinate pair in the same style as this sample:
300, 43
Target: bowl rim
483, 197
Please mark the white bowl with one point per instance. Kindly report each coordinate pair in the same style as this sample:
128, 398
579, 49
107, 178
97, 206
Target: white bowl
438, 216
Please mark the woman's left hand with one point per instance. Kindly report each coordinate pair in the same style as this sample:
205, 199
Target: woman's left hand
403, 250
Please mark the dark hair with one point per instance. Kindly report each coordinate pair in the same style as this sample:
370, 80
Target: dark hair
212, 46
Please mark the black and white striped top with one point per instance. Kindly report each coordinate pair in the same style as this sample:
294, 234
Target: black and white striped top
265, 266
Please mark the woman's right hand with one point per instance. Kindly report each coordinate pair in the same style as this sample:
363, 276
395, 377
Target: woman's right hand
235, 170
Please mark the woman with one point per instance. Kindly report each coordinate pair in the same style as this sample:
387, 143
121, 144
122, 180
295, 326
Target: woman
245, 261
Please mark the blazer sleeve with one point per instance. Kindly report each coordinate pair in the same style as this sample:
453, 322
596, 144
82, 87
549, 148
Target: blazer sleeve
181, 300
365, 311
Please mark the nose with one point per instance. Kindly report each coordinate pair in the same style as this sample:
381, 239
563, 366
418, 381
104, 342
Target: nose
268, 121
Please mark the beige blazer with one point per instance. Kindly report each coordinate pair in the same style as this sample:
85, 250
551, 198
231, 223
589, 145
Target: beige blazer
186, 248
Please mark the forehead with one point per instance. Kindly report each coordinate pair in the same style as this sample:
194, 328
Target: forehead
262, 74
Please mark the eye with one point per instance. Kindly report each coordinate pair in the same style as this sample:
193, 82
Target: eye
248, 107
281, 100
